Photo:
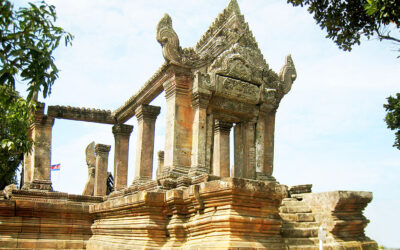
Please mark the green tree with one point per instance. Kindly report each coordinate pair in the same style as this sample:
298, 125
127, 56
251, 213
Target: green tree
28, 38
346, 21
393, 117
15, 119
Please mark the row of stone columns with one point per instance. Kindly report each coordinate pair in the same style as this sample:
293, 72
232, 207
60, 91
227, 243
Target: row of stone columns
195, 144
146, 116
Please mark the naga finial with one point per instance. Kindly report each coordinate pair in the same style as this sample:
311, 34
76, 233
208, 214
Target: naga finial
287, 75
90, 155
169, 40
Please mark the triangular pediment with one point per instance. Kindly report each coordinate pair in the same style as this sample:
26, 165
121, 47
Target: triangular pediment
232, 47
228, 48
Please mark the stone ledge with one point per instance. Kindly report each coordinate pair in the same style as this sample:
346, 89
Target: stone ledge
81, 114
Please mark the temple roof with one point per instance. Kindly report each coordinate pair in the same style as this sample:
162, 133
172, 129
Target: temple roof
227, 48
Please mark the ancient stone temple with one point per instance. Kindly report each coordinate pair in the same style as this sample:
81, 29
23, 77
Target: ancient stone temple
196, 200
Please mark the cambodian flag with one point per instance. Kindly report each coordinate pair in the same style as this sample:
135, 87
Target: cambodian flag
55, 167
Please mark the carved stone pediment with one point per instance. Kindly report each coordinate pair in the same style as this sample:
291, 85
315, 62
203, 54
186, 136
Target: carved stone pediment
241, 63
227, 60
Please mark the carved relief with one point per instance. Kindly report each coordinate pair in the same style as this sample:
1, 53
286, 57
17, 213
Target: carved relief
237, 90
203, 80
287, 75
91, 163
171, 49
242, 63
169, 40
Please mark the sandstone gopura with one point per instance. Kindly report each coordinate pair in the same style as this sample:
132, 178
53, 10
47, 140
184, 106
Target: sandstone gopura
220, 86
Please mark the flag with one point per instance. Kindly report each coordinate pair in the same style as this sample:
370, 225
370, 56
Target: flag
55, 167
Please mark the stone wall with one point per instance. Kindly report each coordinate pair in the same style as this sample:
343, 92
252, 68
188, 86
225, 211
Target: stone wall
215, 214
45, 220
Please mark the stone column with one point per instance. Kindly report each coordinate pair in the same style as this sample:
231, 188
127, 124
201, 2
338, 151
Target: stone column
160, 164
28, 166
199, 132
38, 163
100, 186
244, 146
249, 150
221, 164
121, 133
178, 134
238, 146
265, 130
146, 116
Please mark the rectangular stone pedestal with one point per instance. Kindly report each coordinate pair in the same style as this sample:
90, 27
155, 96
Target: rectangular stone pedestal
215, 214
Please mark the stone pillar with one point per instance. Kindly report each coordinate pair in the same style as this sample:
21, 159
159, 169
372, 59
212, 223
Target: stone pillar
221, 164
146, 116
265, 130
238, 146
38, 164
100, 186
28, 166
121, 133
249, 150
178, 134
199, 139
244, 146
160, 164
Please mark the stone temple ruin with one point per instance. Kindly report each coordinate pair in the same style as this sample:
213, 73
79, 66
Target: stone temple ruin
195, 200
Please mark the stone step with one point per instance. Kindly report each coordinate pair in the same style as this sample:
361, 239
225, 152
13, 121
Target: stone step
293, 203
299, 232
300, 225
295, 209
297, 217
303, 247
289, 199
301, 241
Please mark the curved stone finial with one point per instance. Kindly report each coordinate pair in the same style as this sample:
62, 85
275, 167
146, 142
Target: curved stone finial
90, 155
169, 40
287, 75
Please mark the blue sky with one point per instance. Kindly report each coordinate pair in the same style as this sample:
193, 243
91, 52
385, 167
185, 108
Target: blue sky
329, 129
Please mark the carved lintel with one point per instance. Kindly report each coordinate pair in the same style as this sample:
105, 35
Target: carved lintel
81, 114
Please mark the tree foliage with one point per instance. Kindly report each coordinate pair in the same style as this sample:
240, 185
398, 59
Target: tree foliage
28, 38
347, 21
15, 118
393, 117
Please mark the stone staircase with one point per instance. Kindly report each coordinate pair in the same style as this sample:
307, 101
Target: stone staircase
299, 229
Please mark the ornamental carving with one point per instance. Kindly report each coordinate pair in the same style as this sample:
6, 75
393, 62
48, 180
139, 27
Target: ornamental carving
90, 155
246, 64
237, 90
171, 49
287, 75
